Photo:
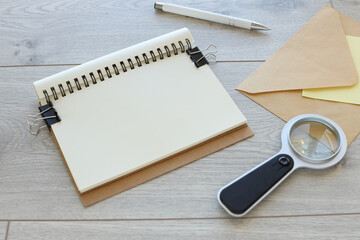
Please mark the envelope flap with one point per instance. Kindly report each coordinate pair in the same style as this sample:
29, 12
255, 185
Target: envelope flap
317, 56
351, 27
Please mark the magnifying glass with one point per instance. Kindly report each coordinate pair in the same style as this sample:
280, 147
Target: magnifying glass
308, 141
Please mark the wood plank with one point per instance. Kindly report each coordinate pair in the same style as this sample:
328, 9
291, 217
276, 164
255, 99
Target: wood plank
34, 182
317, 227
3, 229
48, 32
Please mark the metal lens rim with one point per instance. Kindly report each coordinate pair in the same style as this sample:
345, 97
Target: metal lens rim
324, 122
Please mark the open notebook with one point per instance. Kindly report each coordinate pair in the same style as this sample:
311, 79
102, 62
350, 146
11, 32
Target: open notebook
135, 107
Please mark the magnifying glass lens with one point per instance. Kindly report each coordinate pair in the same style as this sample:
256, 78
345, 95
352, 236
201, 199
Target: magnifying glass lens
314, 140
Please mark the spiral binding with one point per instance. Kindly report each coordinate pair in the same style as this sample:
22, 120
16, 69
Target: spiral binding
76, 83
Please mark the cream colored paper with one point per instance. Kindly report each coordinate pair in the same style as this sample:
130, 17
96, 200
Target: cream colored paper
155, 170
341, 94
139, 117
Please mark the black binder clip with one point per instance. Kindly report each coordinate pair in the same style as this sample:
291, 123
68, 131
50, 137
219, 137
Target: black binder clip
47, 114
197, 56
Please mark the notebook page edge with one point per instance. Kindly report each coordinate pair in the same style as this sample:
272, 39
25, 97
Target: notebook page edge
159, 159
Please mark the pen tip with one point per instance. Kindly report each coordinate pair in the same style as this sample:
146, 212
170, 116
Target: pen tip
258, 26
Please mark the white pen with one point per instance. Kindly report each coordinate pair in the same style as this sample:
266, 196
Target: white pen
209, 16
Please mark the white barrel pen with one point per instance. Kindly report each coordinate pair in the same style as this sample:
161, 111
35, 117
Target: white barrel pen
209, 16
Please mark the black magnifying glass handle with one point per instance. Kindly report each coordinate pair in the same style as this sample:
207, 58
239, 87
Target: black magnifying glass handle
242, 194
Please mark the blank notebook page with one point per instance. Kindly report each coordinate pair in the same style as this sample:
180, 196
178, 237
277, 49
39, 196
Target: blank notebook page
139, 117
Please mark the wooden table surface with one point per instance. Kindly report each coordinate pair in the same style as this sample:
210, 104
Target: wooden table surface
37, 198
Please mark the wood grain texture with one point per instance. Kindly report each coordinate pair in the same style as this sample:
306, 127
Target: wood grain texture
55, 32
320, 227
3, 228
34, 183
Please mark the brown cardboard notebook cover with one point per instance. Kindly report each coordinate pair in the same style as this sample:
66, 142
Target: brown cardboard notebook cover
164, 166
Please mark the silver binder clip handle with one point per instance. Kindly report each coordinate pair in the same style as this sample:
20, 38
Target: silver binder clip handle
37, 129
211, 61
41, 119
211, 58
35, 116
38, 124
211, 54
206, 49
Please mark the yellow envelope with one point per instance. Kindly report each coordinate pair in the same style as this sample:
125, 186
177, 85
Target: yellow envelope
350, 94
317, 56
